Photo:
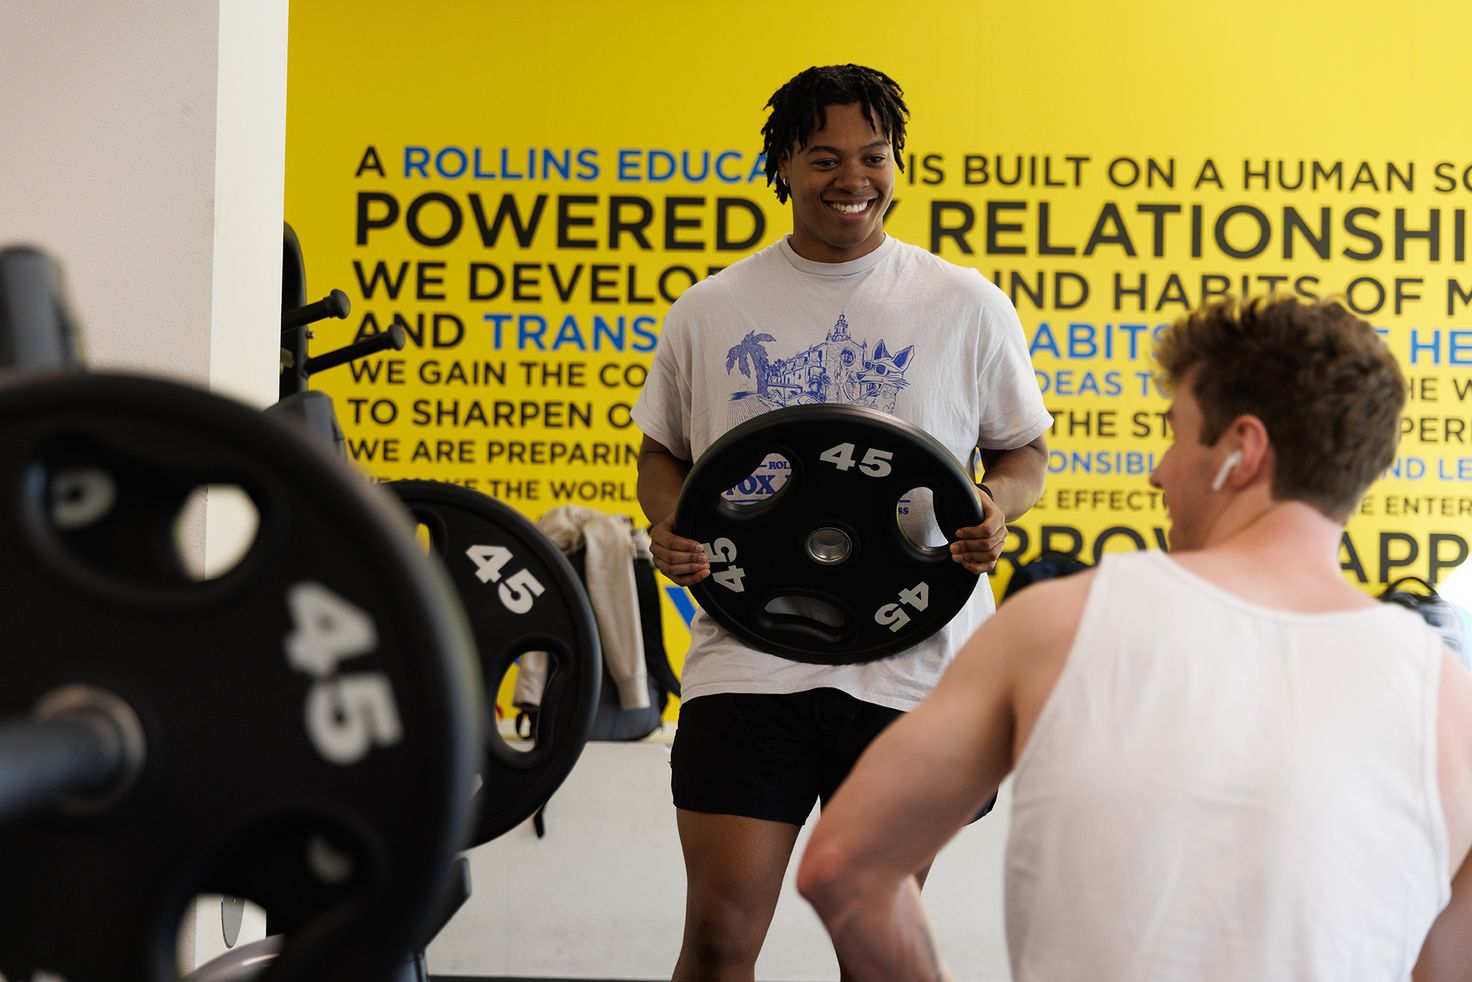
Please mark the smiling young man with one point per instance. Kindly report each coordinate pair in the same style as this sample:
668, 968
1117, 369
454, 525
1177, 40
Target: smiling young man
837, 312
1230, 764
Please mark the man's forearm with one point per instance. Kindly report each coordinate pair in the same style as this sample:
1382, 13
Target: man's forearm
661, 476
1015, 477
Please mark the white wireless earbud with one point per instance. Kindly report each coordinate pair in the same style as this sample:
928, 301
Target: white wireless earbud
1220, 481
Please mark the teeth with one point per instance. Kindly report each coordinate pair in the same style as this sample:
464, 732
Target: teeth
848, 209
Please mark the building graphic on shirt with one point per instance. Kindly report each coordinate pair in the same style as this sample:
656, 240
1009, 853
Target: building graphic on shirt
836, 369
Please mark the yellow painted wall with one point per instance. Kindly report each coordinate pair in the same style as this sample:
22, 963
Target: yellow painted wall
1112, 165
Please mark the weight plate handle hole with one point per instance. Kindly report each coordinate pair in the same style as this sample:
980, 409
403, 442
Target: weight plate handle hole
761, 488
915, 513
215, 530
805, 612
523, 685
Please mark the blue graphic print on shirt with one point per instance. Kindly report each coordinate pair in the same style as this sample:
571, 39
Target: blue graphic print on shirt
836, 369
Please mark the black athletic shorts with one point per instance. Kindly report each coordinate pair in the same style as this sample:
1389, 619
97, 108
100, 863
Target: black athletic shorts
770, 756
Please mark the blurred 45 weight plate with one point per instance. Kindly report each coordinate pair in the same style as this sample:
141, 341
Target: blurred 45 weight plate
307, 715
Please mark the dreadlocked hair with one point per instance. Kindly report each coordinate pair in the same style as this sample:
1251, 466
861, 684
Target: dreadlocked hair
799, 108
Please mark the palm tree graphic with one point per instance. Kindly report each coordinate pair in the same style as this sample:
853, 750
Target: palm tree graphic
749, 354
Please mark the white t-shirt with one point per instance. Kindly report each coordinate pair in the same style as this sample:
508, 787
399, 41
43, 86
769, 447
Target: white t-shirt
1219, 791
898, 330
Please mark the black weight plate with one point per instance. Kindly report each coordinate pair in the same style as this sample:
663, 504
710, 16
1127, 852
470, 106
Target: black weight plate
889, 594
308, 715
499, 562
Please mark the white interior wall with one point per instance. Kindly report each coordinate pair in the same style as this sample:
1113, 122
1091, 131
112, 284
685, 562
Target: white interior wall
250, 179
245, 312
144, 149
108, 157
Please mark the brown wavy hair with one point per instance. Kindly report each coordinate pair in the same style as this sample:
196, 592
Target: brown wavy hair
1324, 384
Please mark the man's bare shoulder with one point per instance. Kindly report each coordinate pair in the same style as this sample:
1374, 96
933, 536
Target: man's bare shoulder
1052, 606
1036, 622
1020, 652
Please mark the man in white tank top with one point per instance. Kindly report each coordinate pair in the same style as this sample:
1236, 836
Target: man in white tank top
1230, 764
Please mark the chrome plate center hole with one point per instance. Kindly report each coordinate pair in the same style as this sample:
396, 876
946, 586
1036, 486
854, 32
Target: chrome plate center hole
829, 546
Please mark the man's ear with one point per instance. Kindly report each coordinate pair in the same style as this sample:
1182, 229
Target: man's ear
784, 164
1250, 435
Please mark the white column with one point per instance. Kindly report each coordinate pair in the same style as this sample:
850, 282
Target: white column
142, 144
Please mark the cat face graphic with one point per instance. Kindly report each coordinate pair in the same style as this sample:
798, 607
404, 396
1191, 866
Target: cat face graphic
885, 369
